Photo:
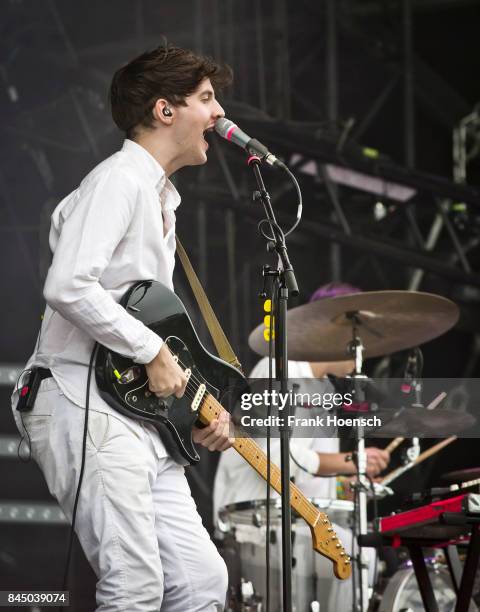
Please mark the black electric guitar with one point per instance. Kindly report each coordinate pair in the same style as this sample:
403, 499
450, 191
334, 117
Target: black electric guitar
212, 382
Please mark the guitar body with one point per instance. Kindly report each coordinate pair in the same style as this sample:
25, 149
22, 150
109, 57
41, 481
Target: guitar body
124, 384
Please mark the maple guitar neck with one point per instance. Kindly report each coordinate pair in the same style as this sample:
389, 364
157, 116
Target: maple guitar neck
325, 540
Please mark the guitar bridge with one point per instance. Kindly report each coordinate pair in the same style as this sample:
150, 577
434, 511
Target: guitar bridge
199, 395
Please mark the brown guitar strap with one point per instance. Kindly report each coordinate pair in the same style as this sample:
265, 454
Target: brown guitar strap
219, 338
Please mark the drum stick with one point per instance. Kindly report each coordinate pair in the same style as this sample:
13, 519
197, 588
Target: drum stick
434, 403
425, 455
434, 449
394, 444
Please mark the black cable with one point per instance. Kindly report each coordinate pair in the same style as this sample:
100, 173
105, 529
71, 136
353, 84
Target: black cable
82, 469
271, 225
374, 496
303, 468
354, 557
297, 220
29, 444
22, 436
300, 202
359, 553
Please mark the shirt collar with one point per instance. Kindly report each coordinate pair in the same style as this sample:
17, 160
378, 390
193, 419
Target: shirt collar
148, 165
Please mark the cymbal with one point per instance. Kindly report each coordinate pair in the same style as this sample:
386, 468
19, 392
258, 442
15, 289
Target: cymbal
462, 475
389, 321
425, 423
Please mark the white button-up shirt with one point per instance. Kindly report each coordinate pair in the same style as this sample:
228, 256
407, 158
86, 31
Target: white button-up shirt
116, 228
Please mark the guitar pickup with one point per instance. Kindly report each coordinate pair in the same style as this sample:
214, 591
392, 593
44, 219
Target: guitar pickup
199, 395
130, 375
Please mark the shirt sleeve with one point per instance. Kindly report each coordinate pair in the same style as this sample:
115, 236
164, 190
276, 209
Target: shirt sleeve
98, 221
304, 456
260, 370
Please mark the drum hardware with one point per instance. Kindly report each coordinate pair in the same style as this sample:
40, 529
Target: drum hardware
240, 513
249, 600
430, 420
401, 594
432, 423
256, 519
355, 349
394, 474
436, 493
377, 491
413, 373
469, 474
246, 521
328, 330
413, 451
245, 600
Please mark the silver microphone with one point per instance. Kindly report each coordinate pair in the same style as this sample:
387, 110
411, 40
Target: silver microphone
231, 132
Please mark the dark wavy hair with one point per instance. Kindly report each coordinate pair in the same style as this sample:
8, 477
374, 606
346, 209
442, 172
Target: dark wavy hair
165, 72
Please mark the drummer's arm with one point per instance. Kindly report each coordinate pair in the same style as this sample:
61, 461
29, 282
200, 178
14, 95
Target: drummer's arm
342, 463
335, 463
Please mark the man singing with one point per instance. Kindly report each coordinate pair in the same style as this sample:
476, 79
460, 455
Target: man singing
136, 519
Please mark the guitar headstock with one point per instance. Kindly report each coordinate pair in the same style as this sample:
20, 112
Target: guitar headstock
325, 541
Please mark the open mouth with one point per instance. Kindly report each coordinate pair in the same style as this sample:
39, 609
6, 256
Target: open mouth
206, 135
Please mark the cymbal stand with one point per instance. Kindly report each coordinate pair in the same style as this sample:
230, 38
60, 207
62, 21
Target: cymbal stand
356, 349
413, 382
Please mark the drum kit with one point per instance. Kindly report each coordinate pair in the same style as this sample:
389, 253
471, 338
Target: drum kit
355, 326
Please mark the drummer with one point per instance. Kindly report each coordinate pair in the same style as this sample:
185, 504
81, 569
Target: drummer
236, 481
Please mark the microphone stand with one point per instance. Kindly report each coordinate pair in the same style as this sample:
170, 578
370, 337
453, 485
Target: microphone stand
285, 285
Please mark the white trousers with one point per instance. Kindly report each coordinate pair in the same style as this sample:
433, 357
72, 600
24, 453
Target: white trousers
136, 520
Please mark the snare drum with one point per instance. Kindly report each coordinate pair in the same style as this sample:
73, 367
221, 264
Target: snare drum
254, 512
246, 521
